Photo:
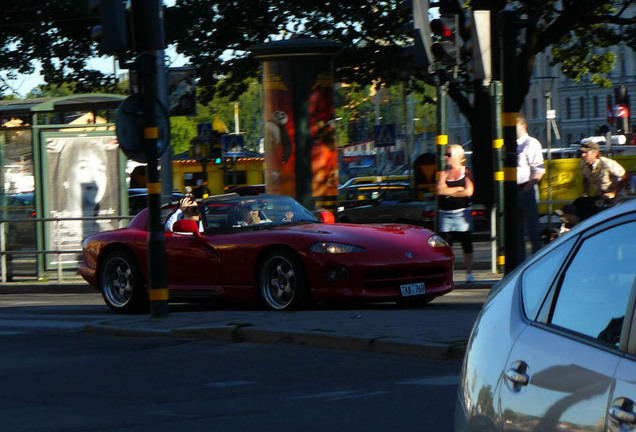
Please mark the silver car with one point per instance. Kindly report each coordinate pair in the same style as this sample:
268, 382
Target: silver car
554, 347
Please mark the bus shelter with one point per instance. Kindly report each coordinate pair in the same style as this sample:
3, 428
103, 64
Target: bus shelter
62, 178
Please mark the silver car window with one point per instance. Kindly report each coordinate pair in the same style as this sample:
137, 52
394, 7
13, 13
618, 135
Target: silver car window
538, 278
592, 299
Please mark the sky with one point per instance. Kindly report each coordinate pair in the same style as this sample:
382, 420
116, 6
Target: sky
25, 83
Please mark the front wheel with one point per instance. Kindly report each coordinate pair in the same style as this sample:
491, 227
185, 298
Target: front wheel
122, 284
282, 283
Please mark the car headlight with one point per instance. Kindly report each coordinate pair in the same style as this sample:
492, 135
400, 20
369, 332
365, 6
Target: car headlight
333, 248
436, 241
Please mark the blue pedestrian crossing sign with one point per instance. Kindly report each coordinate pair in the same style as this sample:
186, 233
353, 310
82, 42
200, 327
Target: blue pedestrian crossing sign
204, 131
233, 145
384, 135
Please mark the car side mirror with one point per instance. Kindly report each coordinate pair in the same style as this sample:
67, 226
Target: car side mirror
186, 227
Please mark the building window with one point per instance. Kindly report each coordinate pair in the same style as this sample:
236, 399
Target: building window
535, 108
568, 113
595, 107
622, 63
569, 139
581, 107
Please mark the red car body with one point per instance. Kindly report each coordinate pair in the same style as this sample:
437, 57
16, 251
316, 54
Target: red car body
247, 264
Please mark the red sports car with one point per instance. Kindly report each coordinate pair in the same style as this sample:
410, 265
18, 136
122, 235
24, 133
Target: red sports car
272, 250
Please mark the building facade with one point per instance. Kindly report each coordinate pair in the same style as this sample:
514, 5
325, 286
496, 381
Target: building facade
580, 107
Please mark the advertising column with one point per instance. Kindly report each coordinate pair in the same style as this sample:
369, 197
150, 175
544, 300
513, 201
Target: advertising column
301, 153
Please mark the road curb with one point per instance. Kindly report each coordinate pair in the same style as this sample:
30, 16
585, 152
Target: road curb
241, 334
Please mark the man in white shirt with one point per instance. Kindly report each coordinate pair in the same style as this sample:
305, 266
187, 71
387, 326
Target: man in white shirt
530, 170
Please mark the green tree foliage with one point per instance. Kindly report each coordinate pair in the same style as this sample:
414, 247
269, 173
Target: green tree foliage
218, 35
55, 33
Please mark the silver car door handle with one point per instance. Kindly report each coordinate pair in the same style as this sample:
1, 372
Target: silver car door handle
519, 378
622, 416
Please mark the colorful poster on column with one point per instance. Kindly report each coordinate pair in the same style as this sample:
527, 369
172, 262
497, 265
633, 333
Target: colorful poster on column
322, 129
83, 182
280, 154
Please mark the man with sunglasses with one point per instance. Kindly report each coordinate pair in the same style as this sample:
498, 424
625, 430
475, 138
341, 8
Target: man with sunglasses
605, 176
188, 209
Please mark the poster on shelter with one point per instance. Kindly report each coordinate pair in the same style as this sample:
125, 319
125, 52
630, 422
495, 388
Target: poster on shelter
82, 190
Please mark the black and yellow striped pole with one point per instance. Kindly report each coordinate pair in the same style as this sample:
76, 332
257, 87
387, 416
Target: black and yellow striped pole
498, 174
441, 140
157, 272
512, 221
149, 39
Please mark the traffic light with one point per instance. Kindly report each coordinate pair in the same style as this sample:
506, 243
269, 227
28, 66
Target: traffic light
112, 30
420, 31
446, 38
216, 155
147, 23
621, 110
478, 45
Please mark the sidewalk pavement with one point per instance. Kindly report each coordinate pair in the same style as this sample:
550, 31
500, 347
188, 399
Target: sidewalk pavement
438, 330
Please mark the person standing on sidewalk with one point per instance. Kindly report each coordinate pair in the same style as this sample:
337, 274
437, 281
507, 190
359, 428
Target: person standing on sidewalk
455, 189
530, 170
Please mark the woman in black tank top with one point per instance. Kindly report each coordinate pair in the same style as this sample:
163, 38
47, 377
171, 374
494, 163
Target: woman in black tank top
455, 189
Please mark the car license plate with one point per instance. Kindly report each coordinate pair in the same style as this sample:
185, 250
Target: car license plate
413, 289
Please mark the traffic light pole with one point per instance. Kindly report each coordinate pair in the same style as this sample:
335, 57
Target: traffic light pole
157, 265
513, 239
441, 140
497, 145
149, 40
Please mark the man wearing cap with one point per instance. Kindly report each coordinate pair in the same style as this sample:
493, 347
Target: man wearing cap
603, 175
188, 209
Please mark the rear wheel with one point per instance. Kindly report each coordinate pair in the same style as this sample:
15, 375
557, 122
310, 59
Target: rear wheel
122, 284
282, 283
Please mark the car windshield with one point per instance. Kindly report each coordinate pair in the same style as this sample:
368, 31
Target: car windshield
263, 210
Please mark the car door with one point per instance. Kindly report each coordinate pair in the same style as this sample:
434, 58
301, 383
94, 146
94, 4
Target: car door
192, 261
560, 371
622, 406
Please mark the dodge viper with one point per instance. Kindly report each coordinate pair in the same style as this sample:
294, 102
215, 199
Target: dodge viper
290, 259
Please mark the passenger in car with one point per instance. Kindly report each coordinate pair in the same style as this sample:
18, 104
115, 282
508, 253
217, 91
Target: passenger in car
188, 209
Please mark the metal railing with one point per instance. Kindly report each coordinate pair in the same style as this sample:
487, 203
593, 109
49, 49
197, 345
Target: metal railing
58, 252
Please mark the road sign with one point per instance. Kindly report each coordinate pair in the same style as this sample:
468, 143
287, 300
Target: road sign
233, 145
204, 131
384, 135
130, 128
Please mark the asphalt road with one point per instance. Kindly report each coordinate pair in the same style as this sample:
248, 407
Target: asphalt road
56, 377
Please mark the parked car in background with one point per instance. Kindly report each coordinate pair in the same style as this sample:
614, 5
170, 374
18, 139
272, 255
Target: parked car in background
363, 194
391, 205
289, 260
395, 203
247, 189
376, 180
554, 346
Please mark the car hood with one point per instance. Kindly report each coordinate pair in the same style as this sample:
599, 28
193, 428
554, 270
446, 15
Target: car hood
368, 234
